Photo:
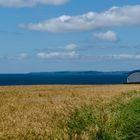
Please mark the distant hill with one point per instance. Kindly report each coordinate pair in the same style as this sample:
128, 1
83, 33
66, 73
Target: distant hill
80, 73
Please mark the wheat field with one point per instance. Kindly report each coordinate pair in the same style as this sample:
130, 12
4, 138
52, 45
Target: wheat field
44, 112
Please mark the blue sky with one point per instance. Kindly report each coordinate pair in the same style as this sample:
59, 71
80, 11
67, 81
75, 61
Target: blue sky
74, 35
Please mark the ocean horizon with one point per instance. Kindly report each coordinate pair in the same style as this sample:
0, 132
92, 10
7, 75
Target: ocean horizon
79, 78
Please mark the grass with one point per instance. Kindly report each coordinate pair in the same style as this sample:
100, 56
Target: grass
121, 122
106, 112
131, 120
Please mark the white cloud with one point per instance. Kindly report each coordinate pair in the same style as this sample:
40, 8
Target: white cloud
57, 55
126, 56
21, 56
60, 52
71, 47
30, 3
107, 36
116, 16
118, 57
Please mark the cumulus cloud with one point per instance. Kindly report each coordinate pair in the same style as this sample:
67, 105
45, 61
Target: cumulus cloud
107, 36
30, 3
116, 16
57, 55
71, 47
62, 52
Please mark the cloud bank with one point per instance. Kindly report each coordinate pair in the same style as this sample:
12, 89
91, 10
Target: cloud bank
67, 55
29, 3
116, 16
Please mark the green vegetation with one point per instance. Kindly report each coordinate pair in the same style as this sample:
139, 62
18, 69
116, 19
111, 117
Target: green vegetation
119, 120
130, 120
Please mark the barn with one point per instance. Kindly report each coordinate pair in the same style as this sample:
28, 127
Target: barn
134, 77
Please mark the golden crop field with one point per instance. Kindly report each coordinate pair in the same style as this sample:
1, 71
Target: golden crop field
48, 112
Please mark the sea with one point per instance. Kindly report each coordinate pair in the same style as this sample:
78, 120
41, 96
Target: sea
84, 78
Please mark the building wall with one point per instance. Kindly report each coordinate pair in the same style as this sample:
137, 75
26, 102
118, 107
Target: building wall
134, 78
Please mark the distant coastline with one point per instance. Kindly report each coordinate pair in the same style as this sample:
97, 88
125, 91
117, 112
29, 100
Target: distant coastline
64, 77
80, 72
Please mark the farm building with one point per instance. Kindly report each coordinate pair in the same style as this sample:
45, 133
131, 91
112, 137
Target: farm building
134, 77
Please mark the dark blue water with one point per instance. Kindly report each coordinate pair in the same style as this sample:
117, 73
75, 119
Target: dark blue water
42, 79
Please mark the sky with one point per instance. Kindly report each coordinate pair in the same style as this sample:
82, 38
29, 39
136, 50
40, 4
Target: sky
69, 35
